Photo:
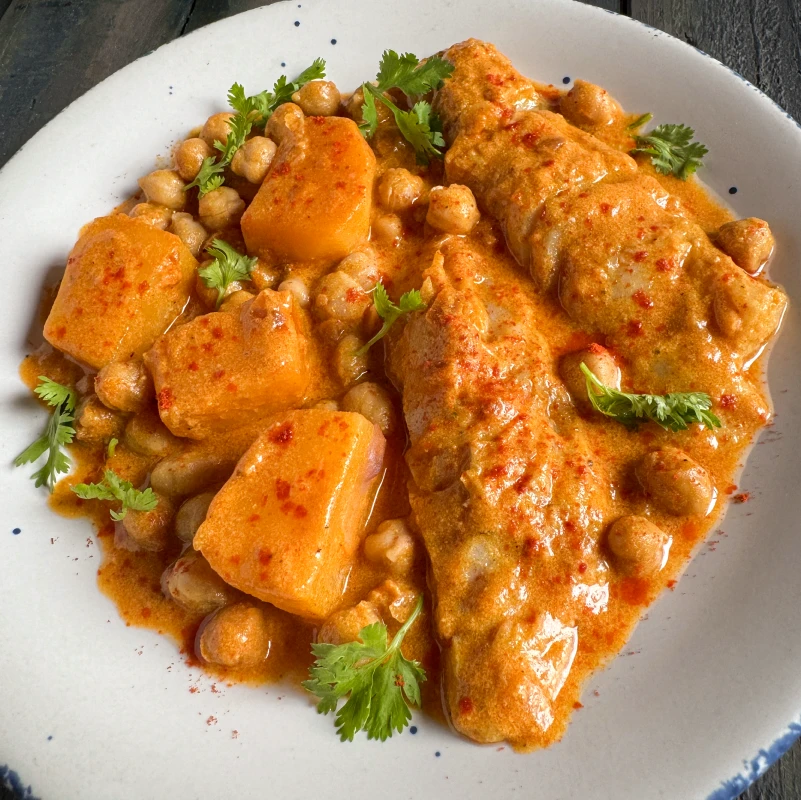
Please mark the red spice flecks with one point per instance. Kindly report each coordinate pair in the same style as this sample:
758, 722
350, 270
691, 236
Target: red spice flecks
231, 387
728, 401
634, 328
671, 585
193, 367
212, 720
217, 332
282, 488
640, 256
193, 690
730, 489
642, 299
234, 734
214, 689
300, 512
254, 518
146, 612
218, 373
530, 139
282, 434
495, 80
466, 705
166, 399
605, 208
634, 591
743, 497
143, 287
265, 556
665, 264
578, 705
582, 567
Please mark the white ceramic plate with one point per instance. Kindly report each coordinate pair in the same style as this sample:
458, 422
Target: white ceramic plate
701, 701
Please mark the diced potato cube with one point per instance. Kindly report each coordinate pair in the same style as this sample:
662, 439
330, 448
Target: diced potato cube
286, 527
315, 201
231, 367
124, 285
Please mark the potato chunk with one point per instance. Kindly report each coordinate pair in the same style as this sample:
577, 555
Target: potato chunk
286, 527
125, 283
315, 201
231, 367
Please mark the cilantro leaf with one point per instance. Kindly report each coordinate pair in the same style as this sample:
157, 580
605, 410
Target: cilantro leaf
250, 111
59, 432
420, 127
112, 487
112, 447
672, 150
228, 266
389, 312
673, 412
379, 682
640, 121
407, 73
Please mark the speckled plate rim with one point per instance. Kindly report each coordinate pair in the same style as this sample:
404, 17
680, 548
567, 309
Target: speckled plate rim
610, 743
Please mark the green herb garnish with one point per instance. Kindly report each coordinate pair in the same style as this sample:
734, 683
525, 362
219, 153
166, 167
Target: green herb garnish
671, 148
112, 487
389, 312
673, 412
60, 431
228, 266
379, 682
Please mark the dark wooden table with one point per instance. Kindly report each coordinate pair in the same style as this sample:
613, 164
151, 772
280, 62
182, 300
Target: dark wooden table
52, 51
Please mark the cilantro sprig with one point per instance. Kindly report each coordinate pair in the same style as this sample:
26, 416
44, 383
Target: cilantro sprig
228, 266
389, 312
378, 680
672, 150
59, 431
419, 125
673, 412
112, 487
251, 111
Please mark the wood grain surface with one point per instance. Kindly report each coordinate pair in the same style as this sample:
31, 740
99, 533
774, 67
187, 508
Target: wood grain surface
52, 51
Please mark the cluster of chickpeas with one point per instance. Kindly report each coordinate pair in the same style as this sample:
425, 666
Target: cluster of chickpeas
674, 482
238, 632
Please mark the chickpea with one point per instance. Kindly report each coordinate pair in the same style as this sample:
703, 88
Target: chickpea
399, 190
189, 231
589, 105
151, 529
286, 124
96, 424
318, 98
220, 208
345, 625
350, 364
599, 361
340, 297
194, 585
235, 636
190, 472
332, 330
208, 296
190, 155
157, 216
264, 275
216, 128
164, 187
452, 209
252, 160
147, 435
387, 228
639, 547
362, 267
298, 288
327, 405
393, 599
235, 300
191, 515
675, 482
391, 546
124, 386
749, 242
372, 401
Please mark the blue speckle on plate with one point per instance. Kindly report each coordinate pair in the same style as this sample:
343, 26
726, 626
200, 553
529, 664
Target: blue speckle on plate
333, 41
297, 23
732, 190
283, 63
17, 531
437, 754
566, 79
413, 729
50, 738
